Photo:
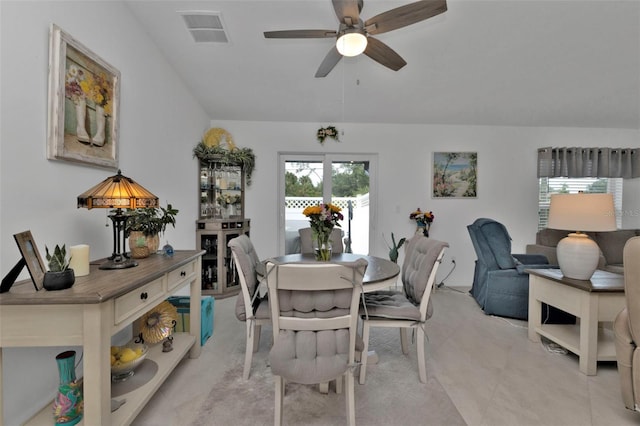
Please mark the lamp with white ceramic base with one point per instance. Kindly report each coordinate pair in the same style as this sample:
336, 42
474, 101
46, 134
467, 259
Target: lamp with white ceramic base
578, 254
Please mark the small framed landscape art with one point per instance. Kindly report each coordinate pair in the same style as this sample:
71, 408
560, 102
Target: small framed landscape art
455, 175
84, 93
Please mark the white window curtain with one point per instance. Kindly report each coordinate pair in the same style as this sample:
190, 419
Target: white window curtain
577, 162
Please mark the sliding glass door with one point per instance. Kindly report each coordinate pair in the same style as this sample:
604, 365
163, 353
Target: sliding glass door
346, 180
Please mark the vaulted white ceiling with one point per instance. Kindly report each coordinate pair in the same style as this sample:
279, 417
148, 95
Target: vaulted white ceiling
573, 63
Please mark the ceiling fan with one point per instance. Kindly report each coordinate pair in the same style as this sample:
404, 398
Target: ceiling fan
355, 36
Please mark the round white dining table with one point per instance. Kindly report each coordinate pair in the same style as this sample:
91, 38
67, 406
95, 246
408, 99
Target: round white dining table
379, 275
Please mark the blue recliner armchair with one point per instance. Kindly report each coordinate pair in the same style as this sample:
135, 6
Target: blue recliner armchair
500, 283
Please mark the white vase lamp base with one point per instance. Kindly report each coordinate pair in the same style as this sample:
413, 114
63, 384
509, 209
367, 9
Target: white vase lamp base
578, 256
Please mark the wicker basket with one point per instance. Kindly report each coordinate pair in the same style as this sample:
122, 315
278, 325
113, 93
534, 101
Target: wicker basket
139, 252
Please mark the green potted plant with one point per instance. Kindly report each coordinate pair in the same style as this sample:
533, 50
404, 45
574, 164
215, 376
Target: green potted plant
393, 249
59, 276
244, 157
148, 224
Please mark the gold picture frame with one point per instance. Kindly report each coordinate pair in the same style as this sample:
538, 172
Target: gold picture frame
84, 95
32, 258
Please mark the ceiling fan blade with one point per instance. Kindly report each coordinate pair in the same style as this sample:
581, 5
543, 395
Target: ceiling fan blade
405, 15
347, 9
383, 54
329, 62
300, 34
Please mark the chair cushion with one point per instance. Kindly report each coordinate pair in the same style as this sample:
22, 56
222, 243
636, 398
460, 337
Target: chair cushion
247, 263
392, 304
310, 357
417, 266
315, 304
262, 310
247, 259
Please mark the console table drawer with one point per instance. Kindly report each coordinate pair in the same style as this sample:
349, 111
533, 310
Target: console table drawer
138, 300
181, 274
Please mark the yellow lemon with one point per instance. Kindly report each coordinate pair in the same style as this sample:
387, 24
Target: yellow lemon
128, 355
114, 350
139, 351
113, 359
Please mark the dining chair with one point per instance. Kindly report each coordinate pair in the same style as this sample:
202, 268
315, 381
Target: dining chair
410, 308
250, 308
314, 310
306, 246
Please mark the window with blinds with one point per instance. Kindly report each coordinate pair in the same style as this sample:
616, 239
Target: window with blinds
548, 186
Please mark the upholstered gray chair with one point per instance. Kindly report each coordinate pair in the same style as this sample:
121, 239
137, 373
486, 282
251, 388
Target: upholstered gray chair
626, 328
250, 308
410, 308
314, 309
306, 245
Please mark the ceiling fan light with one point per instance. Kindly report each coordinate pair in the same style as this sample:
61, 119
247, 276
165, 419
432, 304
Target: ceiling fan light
351, 44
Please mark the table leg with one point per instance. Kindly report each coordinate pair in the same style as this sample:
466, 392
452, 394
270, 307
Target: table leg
589, 334
535, 309
96, 364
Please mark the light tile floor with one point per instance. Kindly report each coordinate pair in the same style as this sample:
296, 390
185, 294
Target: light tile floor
496, 376
491, 371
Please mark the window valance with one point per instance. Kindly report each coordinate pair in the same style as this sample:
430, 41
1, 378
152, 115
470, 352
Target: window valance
589, 162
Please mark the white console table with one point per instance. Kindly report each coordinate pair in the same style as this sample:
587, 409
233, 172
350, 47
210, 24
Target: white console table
89, 313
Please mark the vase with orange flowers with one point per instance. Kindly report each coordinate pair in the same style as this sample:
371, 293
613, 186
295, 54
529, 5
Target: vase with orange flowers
323, 218
423, 221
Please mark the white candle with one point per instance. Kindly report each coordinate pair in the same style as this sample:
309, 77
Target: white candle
79, 260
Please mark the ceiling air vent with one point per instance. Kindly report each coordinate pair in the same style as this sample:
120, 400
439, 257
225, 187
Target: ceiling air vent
205, 26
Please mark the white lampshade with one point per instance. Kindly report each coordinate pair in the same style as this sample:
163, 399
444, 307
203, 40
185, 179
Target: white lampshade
578, 254
351, 43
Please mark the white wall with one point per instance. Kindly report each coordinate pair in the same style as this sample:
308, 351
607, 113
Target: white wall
507, 183
160, 123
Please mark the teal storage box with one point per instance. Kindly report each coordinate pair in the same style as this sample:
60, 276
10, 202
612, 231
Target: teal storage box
206, 314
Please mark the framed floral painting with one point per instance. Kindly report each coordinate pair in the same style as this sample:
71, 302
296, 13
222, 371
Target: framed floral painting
84, 93
455, 175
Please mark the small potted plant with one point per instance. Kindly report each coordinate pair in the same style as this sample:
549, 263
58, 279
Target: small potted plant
394, 248
149, 223
59, 276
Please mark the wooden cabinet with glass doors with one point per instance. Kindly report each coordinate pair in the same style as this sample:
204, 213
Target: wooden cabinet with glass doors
221, 218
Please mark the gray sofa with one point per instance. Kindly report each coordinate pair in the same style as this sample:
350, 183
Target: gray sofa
611, 246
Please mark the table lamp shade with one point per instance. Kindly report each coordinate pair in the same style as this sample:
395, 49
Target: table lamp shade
117, 191
578, 255
582, 212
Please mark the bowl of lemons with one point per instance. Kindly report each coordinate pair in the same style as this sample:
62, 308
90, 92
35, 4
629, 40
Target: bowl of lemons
125, 359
